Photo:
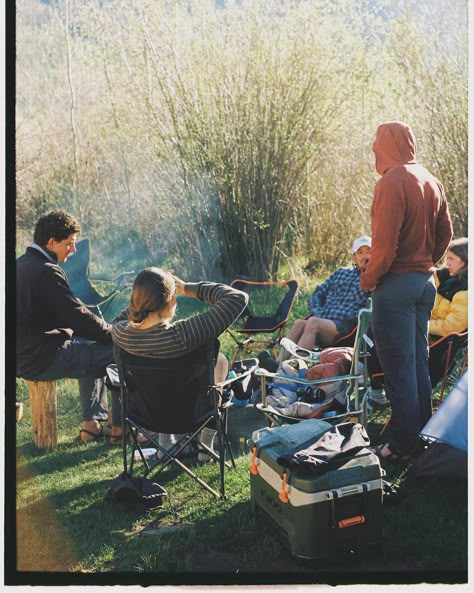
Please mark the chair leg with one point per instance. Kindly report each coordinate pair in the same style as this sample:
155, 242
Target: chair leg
222, 450
385, 426
171, 457
225, 423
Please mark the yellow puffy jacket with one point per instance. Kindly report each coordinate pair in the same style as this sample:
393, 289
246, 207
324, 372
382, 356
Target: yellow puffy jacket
448, 316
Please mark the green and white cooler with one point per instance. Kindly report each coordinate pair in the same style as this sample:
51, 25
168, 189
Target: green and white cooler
322, 513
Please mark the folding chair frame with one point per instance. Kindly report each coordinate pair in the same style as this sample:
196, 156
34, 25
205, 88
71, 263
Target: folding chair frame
219, 414
251, 341
355, 407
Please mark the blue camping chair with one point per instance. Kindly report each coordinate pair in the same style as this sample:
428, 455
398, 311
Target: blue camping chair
77, 271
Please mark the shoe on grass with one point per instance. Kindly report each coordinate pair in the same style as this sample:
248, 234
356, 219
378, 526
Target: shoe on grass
91, 431
376, 400
207, 438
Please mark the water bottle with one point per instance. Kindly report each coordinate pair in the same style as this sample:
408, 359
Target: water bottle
147, 454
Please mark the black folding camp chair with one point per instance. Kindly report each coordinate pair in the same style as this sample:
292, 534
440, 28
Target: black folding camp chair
173, 396
262, 324
77, 271
356, 381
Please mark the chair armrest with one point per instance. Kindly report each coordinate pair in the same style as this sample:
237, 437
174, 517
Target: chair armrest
299, 352
125, 278
288, 379
252, 366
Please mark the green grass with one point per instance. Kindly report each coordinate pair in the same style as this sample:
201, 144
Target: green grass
65, 524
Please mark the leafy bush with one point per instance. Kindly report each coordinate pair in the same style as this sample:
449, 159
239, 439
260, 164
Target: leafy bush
227, 139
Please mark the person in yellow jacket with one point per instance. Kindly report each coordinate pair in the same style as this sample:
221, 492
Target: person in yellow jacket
449, 312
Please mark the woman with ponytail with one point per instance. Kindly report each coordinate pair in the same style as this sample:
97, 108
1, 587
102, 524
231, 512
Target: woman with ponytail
147, 326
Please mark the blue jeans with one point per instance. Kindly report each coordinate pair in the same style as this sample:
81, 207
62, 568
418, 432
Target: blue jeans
402, 306
85, 360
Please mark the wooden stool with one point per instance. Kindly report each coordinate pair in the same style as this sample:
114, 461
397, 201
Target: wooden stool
43, 413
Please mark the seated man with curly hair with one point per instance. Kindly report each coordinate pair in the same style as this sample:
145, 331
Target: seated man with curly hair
56, 335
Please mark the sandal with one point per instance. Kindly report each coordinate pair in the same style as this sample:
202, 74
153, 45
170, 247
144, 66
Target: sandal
107, 429
116, 439
384, 452
116, 435
94, 436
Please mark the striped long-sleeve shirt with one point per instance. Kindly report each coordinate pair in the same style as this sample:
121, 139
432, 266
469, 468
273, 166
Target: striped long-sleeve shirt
174, 339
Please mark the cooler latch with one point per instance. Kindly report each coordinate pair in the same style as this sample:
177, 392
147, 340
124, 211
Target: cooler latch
283, 496
253, 468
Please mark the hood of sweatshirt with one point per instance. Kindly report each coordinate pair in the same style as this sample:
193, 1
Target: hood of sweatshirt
394, 145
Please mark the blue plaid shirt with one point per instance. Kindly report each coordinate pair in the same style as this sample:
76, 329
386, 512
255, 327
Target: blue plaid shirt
339, 299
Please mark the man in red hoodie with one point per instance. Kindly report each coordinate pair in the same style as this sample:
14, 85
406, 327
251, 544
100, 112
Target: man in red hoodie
411, 230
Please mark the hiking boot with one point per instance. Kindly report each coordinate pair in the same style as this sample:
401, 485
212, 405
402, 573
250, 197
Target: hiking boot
376, 400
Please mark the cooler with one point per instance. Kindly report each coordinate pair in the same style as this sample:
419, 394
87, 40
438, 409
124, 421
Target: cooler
338, 512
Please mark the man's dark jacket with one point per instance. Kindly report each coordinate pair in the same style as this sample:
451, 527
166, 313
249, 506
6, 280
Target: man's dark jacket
47, 314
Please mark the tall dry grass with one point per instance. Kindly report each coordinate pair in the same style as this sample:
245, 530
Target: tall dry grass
231, 140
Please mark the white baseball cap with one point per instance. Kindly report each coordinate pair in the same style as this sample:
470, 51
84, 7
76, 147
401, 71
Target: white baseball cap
360, 242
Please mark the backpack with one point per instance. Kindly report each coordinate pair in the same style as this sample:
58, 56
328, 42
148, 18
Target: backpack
135, 493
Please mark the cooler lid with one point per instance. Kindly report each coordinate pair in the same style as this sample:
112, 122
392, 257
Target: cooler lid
272, 443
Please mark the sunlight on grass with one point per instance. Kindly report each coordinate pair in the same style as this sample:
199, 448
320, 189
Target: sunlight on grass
61, 500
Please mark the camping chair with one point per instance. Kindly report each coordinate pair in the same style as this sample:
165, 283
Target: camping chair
447, 356
260, 317
444, 358
356, 384
77, 271
347, 340
172, 396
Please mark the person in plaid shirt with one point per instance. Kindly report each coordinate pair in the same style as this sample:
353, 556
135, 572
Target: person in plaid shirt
334, 304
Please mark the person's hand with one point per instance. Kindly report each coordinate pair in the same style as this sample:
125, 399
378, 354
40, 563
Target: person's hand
364, 264
363, 283
178, 282
363, 286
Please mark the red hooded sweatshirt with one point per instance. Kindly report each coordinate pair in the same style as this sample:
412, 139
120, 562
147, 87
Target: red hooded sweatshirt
411, 226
